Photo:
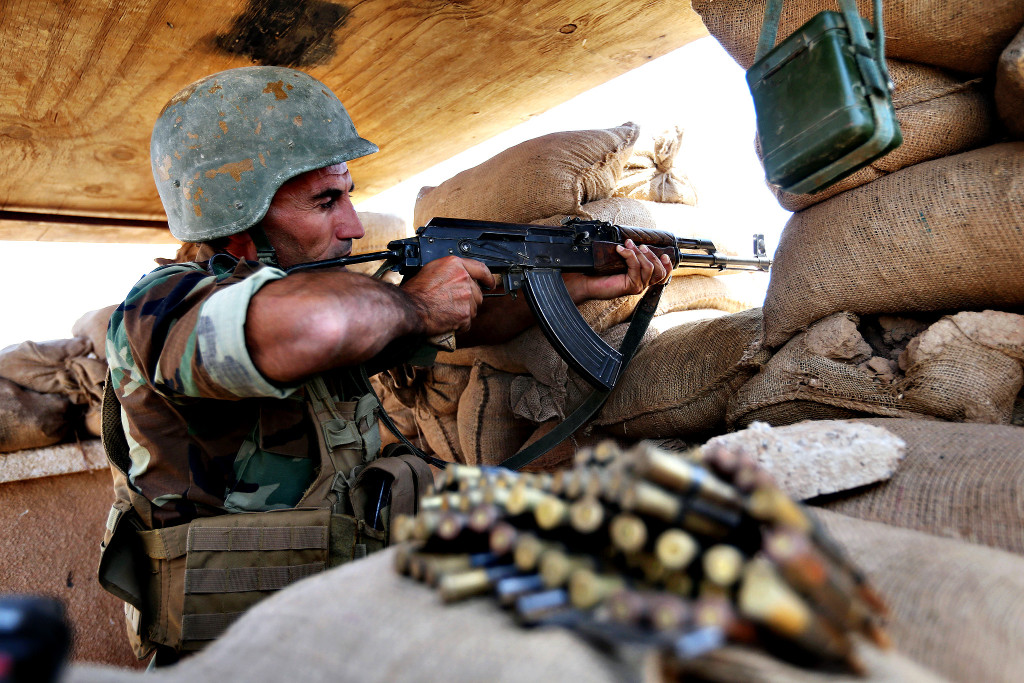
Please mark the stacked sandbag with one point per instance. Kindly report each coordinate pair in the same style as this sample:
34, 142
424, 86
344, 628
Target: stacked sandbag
960, 481
432, 395
30, 419
939, 235
1009, 90
63, 367
680, 384
960, 35
965, 367
93, 326
552, 174
650, 173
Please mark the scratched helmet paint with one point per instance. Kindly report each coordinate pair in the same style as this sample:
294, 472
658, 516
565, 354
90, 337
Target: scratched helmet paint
223, 146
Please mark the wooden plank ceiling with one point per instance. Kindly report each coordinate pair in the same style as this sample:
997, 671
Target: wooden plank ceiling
83, 82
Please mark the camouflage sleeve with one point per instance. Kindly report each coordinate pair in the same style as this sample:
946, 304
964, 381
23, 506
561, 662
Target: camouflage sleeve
181, 331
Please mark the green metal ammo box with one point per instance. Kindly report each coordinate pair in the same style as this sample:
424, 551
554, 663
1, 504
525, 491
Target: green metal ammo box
822, 98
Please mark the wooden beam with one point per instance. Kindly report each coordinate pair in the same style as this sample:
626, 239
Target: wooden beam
84, 80
22, 227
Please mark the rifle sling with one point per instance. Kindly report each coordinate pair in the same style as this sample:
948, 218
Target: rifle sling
634, 334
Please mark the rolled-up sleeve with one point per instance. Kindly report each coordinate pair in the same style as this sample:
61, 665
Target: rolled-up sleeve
221, 339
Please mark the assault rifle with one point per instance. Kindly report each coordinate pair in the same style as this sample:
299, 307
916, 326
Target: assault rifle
532, 258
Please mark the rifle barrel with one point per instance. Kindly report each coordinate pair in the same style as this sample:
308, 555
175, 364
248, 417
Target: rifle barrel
722, 262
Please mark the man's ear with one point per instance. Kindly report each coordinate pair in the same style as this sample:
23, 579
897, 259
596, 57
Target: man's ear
240, 245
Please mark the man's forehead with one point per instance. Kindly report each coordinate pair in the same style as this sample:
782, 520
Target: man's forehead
328, 171
328, 175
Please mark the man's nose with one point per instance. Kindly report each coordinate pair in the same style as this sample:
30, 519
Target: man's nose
349, 226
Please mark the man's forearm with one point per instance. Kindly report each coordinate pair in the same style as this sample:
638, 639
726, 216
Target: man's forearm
311, 322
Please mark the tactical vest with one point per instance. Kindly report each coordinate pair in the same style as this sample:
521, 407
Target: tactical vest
184, 585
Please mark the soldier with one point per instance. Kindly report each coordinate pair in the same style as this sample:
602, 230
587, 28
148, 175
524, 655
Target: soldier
234, 388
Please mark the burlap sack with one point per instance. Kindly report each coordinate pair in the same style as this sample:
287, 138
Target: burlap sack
933, 236
939, 114
650, 174
818, 375
401, 415
29, 419
489, 431
433, 396
955, 607
963, 35
364, 622
552, 174
60, 366
1009, 92
680, 383
405, 633
959, 481
964, 368
93, 326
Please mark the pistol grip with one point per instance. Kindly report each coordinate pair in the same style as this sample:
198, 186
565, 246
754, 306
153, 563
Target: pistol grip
568, 332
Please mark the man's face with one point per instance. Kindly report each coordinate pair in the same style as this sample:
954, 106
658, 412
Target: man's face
311, 218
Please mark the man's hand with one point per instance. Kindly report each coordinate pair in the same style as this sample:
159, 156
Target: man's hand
447, 292
644, 269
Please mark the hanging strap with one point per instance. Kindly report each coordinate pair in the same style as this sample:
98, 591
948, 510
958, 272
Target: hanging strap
634, 334
773, 13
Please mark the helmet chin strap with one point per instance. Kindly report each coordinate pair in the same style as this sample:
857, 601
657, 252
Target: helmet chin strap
265, 253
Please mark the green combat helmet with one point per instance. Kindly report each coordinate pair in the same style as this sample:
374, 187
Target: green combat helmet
223, 146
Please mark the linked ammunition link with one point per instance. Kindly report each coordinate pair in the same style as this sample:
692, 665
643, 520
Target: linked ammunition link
679, 551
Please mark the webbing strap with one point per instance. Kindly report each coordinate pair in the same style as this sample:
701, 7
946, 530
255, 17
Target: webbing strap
245, 579
256, 538
206, 626
634, 335
165, 544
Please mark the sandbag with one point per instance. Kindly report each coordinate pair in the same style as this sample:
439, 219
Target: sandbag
818, 375
93, 326
42, 366
680, 383
552, 174
489, 431
1009, 91
933, 236
29, 419
955, 607
964, 368
963, 35
433, 396
650, 174
394, 628
960, 481
939, 113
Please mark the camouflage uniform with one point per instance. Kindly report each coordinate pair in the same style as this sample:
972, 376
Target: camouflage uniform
207, 432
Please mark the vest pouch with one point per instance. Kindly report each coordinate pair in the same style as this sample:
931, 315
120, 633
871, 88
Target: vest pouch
234, 561
822, 98
389, 486
121, 567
